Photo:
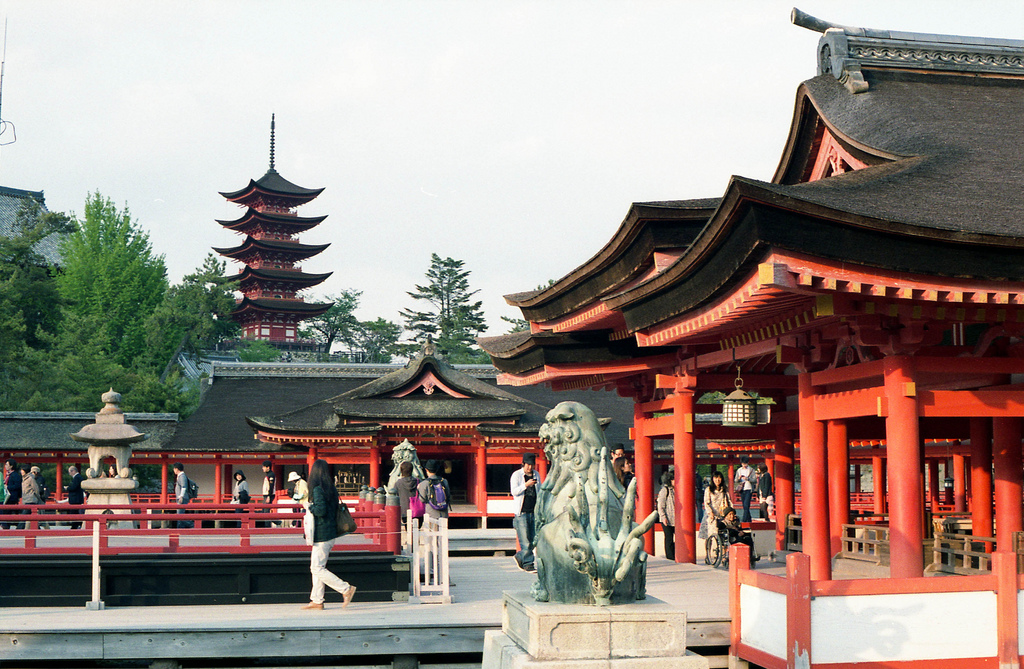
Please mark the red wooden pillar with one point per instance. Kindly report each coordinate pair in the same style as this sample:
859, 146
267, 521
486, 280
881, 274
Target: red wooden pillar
838, 483
684, 455
163, 479
218, 480
542, 465
375, 465
782, 477
58, 484
903, 440
311, 456
934, 491
229, 479
878, 474
730, 473
1009, 479
856, 478
813, 485
481, 475
959, 484
643, 461
981, 477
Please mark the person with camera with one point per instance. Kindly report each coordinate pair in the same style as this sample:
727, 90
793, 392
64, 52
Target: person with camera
523, 484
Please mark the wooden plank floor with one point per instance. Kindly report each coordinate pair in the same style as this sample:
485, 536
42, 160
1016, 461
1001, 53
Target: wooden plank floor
364, 628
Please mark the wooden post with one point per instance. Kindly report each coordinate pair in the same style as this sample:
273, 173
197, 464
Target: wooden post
684, 455
1006, 455
981, 477
218, 480
1004, 567
798, 610
878, 474
934, 491
393, 525
643, 461
813, 478
481, 475
838, 483
782, 477
374, 465
163, 479
58, 483
903, 439
959, 484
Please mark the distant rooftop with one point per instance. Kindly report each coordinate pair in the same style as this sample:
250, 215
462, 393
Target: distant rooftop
11, 200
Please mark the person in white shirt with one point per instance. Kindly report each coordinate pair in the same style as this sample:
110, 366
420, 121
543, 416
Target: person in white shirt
746, 479
523, 484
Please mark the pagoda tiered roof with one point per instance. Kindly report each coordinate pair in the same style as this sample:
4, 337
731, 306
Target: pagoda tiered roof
290, 249
254, 218
293, 277
272, 190
280, 305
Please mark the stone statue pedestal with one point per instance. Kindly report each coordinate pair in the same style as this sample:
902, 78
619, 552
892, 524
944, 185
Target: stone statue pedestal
540, 635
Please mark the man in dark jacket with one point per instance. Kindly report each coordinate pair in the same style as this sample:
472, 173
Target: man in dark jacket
12, 484
76, 496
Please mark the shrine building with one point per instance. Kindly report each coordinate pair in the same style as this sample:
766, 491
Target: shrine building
873, 288
271, 308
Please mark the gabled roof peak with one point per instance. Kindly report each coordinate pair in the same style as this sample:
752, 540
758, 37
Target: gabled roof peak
843, 51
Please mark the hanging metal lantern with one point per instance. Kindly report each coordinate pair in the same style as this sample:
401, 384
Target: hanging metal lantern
739, 409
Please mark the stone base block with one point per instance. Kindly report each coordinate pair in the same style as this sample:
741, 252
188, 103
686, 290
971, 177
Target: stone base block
648, 629
501, 652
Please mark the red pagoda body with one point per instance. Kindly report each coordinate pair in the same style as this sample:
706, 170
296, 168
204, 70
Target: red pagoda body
271, 308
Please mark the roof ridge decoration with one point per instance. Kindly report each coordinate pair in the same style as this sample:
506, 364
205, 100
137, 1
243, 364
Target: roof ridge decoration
843, 51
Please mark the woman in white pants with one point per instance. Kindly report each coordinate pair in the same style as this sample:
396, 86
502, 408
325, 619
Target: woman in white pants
323, 497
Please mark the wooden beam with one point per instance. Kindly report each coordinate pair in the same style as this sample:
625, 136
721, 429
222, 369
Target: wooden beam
849, 404
970, 403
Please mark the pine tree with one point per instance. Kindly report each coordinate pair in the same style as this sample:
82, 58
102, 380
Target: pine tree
455, 320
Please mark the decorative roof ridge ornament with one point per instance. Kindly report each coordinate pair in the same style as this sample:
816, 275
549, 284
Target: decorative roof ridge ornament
844, 50
272, 115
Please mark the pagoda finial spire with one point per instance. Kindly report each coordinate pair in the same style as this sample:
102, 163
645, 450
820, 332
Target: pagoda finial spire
272, 141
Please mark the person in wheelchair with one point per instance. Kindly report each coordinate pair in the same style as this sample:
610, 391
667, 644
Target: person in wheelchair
730, 525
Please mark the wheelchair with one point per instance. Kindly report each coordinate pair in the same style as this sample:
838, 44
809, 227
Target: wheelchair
716, 548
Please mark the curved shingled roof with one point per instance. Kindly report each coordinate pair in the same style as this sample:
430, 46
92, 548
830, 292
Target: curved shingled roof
398, 396
274, 184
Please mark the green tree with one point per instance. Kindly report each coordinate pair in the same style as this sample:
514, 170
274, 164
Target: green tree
194, 316
336, 324
454, 320
255, 350
27, 284
377, 341
111, 272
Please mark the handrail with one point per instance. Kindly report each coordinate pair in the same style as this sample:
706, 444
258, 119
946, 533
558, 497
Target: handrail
151, 528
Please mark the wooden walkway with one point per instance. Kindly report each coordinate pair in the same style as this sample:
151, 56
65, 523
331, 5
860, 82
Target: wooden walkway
367, 629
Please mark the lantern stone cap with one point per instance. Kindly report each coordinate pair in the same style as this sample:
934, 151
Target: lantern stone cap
110, 427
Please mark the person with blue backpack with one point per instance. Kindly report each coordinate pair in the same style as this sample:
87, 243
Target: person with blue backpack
434, 492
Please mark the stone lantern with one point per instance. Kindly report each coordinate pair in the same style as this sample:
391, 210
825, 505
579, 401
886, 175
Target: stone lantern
108, 437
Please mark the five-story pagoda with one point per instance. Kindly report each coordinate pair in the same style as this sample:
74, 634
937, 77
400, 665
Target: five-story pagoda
271, 308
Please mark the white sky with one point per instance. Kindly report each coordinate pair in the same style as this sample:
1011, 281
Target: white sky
511, 135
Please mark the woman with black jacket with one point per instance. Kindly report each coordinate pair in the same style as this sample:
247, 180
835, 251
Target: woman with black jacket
324, 507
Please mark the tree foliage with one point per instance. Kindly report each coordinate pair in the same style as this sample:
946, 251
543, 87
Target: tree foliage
110, 272
337, 324
377, 341
194, 315
454, 321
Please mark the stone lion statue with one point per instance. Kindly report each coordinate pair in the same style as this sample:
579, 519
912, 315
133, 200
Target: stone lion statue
589, 550
405, 452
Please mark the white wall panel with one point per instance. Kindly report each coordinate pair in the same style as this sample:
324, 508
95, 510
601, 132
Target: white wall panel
903, 627
763, 623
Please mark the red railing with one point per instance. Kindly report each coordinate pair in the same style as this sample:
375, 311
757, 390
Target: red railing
152, 528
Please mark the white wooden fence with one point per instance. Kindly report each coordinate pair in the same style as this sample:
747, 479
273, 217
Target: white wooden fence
430, 576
